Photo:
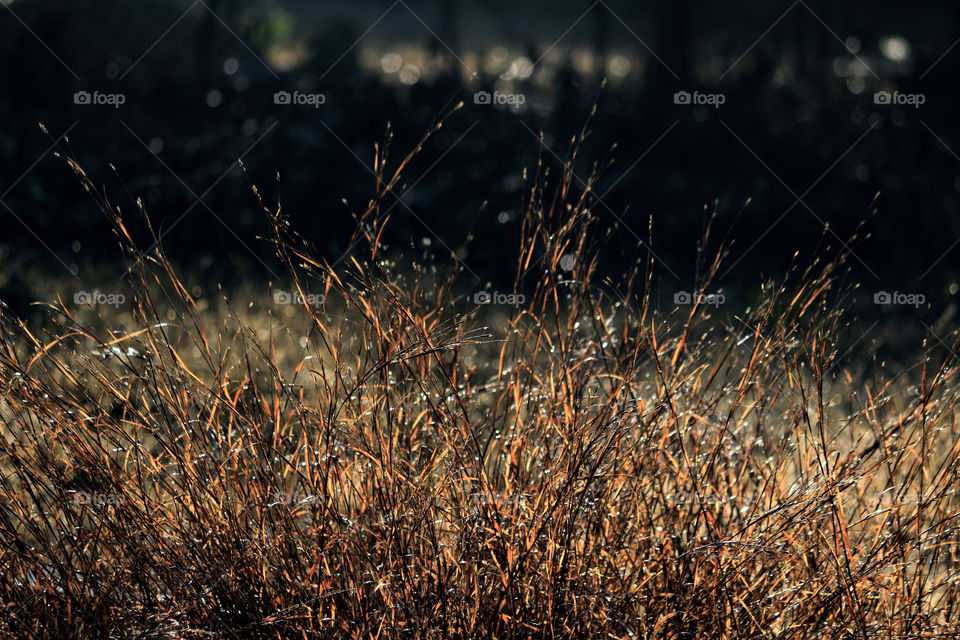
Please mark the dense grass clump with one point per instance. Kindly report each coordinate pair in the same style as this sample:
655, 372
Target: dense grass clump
396, 464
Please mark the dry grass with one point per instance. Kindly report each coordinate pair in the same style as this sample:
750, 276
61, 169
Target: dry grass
585, 467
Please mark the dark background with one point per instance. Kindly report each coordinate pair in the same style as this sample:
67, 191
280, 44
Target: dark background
799, 121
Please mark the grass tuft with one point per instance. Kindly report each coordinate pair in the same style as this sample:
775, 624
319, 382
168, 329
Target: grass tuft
398, 463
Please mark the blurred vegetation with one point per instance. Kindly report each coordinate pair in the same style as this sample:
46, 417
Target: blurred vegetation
397, 462
799, 109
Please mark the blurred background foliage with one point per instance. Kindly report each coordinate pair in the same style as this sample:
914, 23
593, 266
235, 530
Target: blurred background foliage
799, 135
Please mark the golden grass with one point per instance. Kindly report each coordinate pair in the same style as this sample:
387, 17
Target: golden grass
585, 467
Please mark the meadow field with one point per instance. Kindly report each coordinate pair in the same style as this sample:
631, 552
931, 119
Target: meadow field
370, 450
450, 319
